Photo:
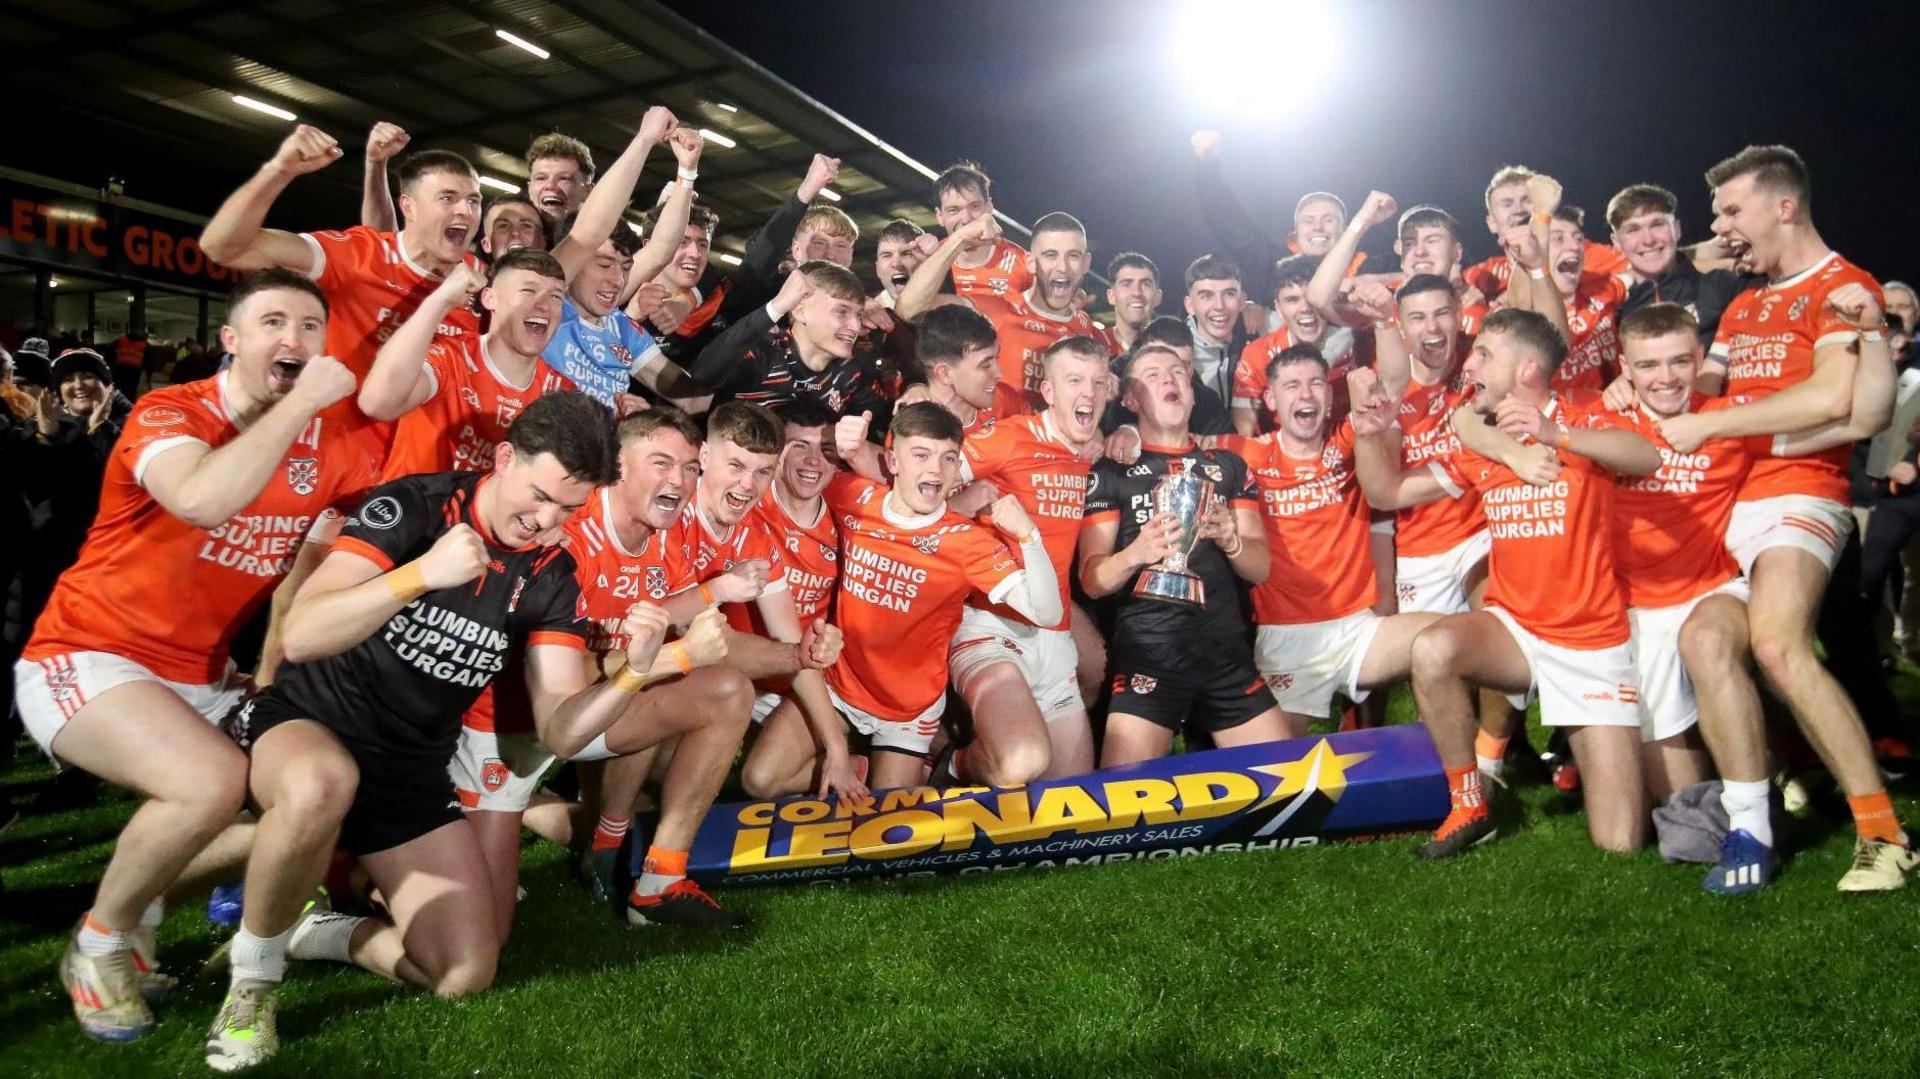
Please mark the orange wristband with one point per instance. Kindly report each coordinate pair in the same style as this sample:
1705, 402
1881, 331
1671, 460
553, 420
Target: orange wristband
406, 583
1565, 441
628, 680
679, 653
706, 594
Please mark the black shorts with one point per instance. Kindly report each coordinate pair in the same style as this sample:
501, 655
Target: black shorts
399, 799
1212, 679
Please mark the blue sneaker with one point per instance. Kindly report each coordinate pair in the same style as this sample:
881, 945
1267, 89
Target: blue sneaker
1746, 865
223, 906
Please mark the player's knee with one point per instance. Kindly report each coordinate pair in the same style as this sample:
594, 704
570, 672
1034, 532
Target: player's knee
760, 779
1709, 648
1615, 836
731, 695
318, 789
471, 971
1017, 765
1434, 652
1777, 653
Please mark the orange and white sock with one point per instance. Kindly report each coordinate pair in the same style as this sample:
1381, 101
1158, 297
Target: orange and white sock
662, 869
1873, 818
1489, 753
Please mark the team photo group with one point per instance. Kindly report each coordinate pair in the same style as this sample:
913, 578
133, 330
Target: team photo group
560, 526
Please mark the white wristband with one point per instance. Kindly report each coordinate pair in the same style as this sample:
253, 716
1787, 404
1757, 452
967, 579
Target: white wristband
688, 176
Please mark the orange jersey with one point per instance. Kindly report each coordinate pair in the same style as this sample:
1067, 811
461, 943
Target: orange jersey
1426, 435
1767, 338
810, 553
473, 404
1004, 273
1552, 565
1250, 372
713, 552
1491, 276
372, 286
1027, 458
904, 583
1669, 529
1316, 521
1007, 403
1025, 332
1593, 357
171, 596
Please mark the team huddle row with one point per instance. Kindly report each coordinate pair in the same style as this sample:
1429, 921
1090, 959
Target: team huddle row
492, 537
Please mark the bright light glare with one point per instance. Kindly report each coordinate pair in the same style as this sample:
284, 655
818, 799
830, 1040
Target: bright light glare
731, 260
521, 43
717, 139
1254, 58
831, 194
261, 106
498, 185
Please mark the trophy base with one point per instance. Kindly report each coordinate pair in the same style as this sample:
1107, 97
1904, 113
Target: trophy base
1171, 586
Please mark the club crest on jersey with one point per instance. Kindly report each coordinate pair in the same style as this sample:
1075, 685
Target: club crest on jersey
1799, 308
927, 544
1212, 472
303, 474
382, 512
1330, 457
656, 581
1142, 684
1280, 681
470, 397
162, 416
493, 774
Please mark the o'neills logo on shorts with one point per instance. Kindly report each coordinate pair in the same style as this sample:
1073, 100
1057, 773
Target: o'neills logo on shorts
1299, 792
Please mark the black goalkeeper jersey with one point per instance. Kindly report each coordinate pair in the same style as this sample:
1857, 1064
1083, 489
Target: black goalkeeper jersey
1125, 492
403, 690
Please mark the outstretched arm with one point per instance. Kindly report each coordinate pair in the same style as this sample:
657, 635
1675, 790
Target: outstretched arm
600, 213
236, 237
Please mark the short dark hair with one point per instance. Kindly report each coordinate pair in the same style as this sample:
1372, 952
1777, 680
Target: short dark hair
1421, 217
834, 279
1293, 354
1533, 331
961, 176
748, 426
697, 216
1169, 330
1059, 221
900, 231
576, 429
1425, 282
1572, 215
947, 333
1294, 270
624, 240
924, 419
1776, 168
1211, 267
806, 411
1638, 199
660, 417
1658, 320
266, 280
1131, 260
526, 258
419, 164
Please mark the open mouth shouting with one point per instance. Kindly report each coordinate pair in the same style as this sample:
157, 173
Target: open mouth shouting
537, 327
931, 490
456, 236
551, 203
737, 502
283, 372
524, 530
898, 280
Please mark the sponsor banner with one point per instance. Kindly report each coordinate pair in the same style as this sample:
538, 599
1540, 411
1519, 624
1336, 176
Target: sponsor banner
1302, 792
56, 226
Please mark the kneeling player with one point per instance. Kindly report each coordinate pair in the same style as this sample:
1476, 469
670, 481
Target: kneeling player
1170, 659
434, 583
1318, 633
1555, 619
907, 565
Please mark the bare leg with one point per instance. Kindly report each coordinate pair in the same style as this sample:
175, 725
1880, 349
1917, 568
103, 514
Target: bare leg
1091, 648
1611, 783
1713, 647
304, 783
440, 897
784, 757
498, 834
1132, 738
1451, 657
1010, 746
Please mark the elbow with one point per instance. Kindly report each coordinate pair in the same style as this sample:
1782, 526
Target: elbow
200, 514
298, 643
376, 406
219, 248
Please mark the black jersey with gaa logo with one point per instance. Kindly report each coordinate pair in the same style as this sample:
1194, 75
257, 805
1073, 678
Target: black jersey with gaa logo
403, 690
1125, 492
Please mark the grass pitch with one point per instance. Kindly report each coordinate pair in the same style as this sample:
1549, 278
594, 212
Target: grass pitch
1535, 956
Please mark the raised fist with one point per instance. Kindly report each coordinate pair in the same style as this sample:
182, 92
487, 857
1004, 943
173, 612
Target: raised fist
1543, 192
1856, 306
308, 149
658, 124
741, 584
386, 140
1123, 445
458, 556
820, 645
926, 244
1619, 395
850, 434
461, 282
647, 299
1521, 243
984, 229
1011, 519
323, 381
793, 292
821, 172
645, 628
1372, 299
706, 638
670, 314
1206, 145
1378, 209
686, 143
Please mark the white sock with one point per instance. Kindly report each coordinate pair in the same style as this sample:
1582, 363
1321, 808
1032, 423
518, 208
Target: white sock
156, 910
259, 959
655, 883
1746, 806
1489, 765
96, 940
324, 936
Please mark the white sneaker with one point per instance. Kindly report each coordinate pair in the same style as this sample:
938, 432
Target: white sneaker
105, 993
1879, 866
243, 1034
153, 984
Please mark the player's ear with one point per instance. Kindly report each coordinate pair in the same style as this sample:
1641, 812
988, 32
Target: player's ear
502, 455
1046, 391
228, 339
1266, 397
892, 461
487, 299
1186, 304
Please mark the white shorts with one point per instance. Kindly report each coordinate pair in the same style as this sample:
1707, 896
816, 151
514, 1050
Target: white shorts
914, 737
1437, 583
50, 691
1578, 687
1667, 704
1046, 659
764, 704
500, 772
1818, 526
1305, 665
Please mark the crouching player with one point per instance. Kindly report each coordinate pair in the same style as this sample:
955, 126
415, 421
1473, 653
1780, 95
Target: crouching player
907, 565
1317, 632
209, 493
435, 583
1555, 619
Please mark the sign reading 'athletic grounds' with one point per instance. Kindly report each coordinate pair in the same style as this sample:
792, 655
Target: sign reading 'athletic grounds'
1354, 785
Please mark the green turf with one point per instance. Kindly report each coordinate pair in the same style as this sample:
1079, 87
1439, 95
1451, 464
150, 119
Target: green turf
1535, 956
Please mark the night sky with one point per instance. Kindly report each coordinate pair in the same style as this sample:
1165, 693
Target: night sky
1079, 106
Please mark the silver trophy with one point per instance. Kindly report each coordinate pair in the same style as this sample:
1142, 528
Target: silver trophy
1185, 497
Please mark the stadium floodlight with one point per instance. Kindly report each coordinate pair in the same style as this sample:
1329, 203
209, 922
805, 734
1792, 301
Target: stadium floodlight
498, 185
519, 42
261, 106
717, 138
1228, 53
830, 194
731, 260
